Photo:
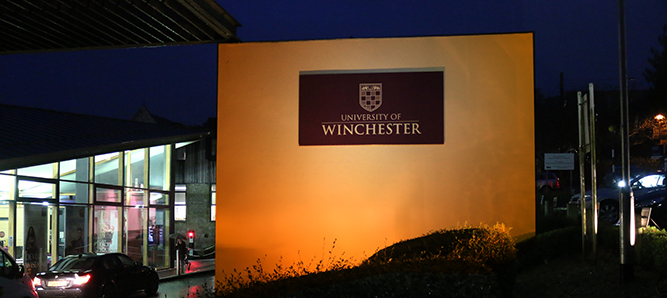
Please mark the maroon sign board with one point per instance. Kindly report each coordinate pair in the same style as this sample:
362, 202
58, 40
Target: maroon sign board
397, 106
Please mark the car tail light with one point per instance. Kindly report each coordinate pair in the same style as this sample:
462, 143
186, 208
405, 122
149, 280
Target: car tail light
36, 282
557, 183
79, 280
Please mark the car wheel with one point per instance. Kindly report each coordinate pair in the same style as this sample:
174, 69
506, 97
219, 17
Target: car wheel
608, 212
152, 285
109, 290
545, 189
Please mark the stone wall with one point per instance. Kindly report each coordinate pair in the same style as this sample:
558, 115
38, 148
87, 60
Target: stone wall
198, 201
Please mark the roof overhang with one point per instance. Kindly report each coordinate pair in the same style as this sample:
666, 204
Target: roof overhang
28, 26
32, 136
49, 157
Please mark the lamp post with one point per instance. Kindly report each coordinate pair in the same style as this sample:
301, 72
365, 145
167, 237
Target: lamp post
660, 133
626, 200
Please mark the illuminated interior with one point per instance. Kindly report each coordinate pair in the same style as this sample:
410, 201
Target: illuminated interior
114, 202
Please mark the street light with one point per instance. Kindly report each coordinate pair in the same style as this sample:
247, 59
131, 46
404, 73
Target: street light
659, 129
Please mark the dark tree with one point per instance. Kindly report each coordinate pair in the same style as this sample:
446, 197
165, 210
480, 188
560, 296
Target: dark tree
656, 75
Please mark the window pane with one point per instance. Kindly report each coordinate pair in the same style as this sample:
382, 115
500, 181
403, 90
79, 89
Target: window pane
179, 202
159, 169
212, 202
106, 169
107, 195
134, 168
135, 221
42, 171
75, 170
106, 229
135, 197
157, 238
37, 190
213, 198
6, 187
179, 213
72, 192
158, 198
74, 233
179, 199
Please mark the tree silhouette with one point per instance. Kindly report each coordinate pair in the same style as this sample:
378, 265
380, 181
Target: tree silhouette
656, 75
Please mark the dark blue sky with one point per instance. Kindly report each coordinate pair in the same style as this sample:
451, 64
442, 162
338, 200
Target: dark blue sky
578, 38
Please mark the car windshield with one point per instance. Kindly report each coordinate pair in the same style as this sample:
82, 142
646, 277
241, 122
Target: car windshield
73, 264
649, 181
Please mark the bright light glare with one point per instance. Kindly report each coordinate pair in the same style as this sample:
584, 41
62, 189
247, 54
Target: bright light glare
79, 280
633, 229
621, 183
659, 117
36, 282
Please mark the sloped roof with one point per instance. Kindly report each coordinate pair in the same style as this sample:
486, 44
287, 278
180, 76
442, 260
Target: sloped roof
32, 136
144, 115
55, 25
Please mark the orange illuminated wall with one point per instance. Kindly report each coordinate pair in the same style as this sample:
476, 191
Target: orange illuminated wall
278, 199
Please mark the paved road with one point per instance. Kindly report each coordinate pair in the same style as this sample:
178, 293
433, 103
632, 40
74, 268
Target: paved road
195, 281
190, 286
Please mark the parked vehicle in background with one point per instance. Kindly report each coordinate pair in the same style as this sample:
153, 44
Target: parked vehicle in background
545, 182
91, 275
647, 189
613, 178
14, 283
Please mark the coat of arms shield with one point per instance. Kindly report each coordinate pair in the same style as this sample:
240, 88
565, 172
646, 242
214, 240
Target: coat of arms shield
370, 96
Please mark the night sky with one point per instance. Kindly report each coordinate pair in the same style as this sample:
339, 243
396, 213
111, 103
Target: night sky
577, 38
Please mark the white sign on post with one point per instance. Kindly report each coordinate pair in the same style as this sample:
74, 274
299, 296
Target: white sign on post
559, 161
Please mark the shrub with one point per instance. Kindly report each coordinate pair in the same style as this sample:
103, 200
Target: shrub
258, 282
608, 236
484, 247
458, 262
548, 246
653, 249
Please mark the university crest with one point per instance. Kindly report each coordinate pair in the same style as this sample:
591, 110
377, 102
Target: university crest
370, 96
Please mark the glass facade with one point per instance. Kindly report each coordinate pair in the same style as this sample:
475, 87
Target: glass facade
115, 202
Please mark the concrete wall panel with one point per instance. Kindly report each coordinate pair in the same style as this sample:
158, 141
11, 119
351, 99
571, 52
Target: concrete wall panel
279, 199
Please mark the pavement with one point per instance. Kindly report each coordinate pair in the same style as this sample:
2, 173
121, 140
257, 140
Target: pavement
197, 266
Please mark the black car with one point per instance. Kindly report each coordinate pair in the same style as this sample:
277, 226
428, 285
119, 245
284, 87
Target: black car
648, 191
92, 275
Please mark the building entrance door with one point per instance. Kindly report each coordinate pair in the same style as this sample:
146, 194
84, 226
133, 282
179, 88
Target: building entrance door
158, 238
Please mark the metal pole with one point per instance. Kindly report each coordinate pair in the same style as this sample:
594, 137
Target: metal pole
582, 169
626, 198
178, 261
594, 181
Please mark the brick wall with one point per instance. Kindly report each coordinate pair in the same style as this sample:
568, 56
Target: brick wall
198, 202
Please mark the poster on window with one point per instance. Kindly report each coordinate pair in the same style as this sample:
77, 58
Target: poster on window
34, 240
399, 106
75, 225
106, 229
